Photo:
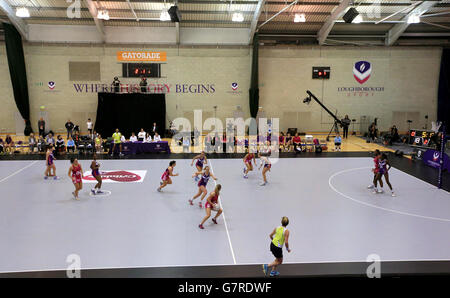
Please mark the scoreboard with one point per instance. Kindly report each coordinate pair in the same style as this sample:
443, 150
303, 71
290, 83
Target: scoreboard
420, 137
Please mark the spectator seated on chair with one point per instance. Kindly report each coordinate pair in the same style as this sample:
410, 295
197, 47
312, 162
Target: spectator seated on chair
98, 143
9, 144
41, 144
281, 139
141, 135
71, 144
337, 143
2, 145
32, 142
148, 138
49, 140
60, 144
133, 137
288, 142
297, 142
157, 137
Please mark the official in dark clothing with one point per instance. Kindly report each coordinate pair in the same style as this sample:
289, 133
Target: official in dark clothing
69, 127
41, 126
345, 124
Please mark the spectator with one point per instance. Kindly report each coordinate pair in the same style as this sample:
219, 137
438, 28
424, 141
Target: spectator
141, 135
60, 144
154, 129
32, 143
373, 131
157, 137
122, 139
345, 124
281, 140
76, 138
337, 143
394, 134
90, 126
41, 144
288, 142
186, 143
297, 141
9, 144
50, 140
143, 85
41, 126
133, 138
98, 143
116, 85
76, 129
70, 144
2, 145
148, 138
69, 127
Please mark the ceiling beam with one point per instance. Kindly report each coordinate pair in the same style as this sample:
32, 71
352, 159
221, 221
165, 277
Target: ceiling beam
98, 23
329, 23
17, 22
255, 19
398, 29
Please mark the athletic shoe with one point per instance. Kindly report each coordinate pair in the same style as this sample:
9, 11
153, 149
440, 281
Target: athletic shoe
158, 189
263, 184
191, 202
244, 170
274, 273
375, 191
56, 178
245, 177
93, 191
77, 198
121, 154
393, 194
200, 204
380, 191
265, 269
99, 191
201, 227
370, 186
214, 221
45, 177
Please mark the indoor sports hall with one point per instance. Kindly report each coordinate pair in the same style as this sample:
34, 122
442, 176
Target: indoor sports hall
224, 139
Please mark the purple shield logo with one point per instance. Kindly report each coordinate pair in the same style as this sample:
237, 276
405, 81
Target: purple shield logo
362, 71
436, 156
51, 85
234, 86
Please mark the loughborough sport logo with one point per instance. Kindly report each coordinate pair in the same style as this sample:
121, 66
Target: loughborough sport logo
436, 156
51, 85
362, 71
117, 176
234, 86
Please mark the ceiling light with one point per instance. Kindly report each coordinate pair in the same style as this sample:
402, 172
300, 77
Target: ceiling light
103, 15
164, 16
299, 18
358, 19
414, 19
237, 17
22, 12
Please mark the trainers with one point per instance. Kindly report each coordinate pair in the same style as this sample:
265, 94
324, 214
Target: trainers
380, 191
201, 227
245, 177
93, 191
265, 269
158, 189
375, 191
274, 273
191, 202
214, 221
99, 191
370, 186
56, 178
45, 177
393, 194
263, 184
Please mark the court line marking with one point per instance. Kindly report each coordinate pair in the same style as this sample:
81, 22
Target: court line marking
213, 265
224, 219
18, 171
375, 206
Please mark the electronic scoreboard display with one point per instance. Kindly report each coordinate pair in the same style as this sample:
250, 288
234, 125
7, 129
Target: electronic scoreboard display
420, 137
136, 70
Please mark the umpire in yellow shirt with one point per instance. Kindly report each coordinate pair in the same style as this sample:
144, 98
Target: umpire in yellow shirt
116, 141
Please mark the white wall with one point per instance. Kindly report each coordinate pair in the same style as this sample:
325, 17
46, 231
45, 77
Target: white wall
409, 77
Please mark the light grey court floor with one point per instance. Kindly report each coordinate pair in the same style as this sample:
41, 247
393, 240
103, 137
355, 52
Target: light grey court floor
334, 218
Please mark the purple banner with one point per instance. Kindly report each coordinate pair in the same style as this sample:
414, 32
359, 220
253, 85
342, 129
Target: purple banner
431, 158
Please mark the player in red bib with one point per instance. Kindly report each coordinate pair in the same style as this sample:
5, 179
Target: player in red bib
205, 175
201, 159
248, 163
76, 174
212, 204
375, 170
166, 175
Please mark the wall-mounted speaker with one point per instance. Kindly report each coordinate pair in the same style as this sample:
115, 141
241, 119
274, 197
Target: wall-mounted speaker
175, 15
350, 15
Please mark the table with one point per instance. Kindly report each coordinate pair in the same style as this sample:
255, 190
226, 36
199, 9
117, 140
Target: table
142, 147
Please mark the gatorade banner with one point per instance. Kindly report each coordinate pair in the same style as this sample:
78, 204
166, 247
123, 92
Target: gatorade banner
431, 158
141, 56
117, 176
